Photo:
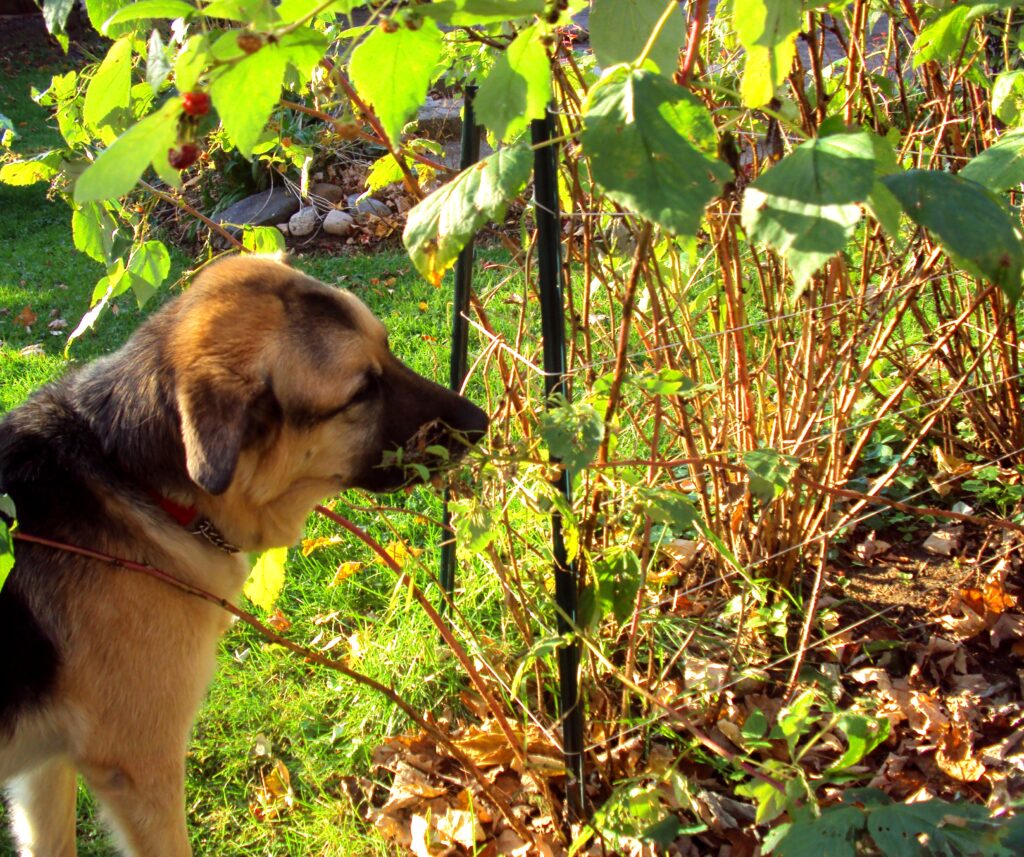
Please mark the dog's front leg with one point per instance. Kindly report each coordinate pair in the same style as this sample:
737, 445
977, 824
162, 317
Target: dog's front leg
42, 804
144, 803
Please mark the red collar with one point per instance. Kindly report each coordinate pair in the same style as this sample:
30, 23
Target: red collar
184, 515
188, 517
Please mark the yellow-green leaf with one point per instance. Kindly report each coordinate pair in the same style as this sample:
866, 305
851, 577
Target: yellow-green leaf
266, 580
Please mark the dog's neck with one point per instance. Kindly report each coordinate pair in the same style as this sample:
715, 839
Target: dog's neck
189, 518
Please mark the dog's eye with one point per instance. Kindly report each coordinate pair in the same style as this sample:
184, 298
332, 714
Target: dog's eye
366, 392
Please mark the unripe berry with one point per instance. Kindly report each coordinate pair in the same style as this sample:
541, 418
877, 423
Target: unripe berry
249, 42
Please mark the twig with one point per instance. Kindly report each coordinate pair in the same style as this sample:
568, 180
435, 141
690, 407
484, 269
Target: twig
188, 209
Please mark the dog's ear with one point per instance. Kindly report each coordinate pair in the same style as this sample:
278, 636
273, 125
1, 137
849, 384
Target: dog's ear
214, 417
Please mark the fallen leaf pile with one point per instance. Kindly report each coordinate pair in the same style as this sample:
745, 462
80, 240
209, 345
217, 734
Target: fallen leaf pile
436, 807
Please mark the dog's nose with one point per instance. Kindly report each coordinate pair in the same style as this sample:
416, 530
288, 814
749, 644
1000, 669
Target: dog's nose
473, 422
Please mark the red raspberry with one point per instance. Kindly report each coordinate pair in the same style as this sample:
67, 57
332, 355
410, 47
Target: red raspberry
183, 157
195, 103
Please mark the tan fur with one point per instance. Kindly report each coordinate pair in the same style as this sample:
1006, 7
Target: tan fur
137, 654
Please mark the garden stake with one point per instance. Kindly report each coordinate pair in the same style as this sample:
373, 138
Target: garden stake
460, 329
549, 267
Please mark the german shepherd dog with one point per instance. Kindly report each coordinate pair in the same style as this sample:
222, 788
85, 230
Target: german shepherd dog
214, 431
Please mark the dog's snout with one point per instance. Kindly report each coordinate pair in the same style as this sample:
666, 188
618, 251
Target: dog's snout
472, 423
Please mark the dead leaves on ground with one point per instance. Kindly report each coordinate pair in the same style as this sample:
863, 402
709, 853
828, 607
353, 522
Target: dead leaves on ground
435, 807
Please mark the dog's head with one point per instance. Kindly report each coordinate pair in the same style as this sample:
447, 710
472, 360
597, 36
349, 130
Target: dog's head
286, 392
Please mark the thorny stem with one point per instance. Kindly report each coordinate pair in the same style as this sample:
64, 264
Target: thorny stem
411, 182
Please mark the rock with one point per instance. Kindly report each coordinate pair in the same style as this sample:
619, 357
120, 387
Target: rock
363, 207
338, 223
325, 195
266, 208
440, 118
283, 229
303, 222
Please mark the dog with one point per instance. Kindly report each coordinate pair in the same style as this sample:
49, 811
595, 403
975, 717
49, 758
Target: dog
212, 432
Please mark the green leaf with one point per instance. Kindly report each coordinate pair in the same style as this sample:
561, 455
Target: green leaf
189, 63
439, 226
670, 508
475, 525
393, 71
618, 579
246, 93
158, 64
518, 86
263, 239
303, 48
755, 726
1001, 166
118, 168
55, 14
833, 834
146, 9
665, 382
944, 37
968, 220
651, 147
6, 539
106, 289
110, 88
771, 802
467, 13
40, 169
806, 206
99, 13
93, 228
572, 434
1008, 96
770, 472
863, 734
383, 172
290, 11
260, 14
148, 266
619, 30
266, 580
767, 30
896, 827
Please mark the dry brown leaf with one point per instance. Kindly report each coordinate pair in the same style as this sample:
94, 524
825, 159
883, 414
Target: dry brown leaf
409, 788
925, 716
950, 464
274, 796
26, 318
1009, 626
400, 552
871, 547
345, 571
459, 827
310, 545
279, 622
423, 841
954, 754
